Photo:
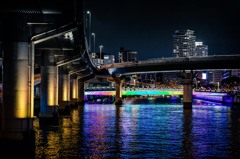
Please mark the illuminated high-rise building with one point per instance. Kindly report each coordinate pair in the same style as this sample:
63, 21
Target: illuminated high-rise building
201, 49
184, 43
108, 59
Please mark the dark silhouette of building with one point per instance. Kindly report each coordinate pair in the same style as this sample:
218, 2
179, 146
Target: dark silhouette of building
127, 55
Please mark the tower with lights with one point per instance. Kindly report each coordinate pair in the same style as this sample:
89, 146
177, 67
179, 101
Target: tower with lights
184, 43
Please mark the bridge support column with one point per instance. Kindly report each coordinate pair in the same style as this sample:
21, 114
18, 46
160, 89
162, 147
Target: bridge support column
118, 99
48, 102
74, 94
17, 110
64, 91
236, 100
80, 92
119, 82
187, 90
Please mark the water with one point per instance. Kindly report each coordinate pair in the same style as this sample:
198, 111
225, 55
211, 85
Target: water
208, 130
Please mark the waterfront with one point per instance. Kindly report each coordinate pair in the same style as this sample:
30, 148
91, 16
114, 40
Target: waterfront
209, 130
142, 131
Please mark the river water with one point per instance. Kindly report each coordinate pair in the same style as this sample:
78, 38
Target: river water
209, 130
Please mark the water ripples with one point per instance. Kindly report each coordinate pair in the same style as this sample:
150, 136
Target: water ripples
142, 131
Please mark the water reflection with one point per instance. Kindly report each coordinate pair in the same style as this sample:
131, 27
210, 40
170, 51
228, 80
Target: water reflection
187, 145
142, 131
59, 141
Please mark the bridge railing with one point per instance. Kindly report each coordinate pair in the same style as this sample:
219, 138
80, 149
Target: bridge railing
168, 59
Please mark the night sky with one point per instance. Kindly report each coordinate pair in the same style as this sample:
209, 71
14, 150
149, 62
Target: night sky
147, 26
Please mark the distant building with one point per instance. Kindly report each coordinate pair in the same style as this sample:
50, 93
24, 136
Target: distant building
105, 58
174, 76
127, 55
235, 73
98, 61
201, 49
108, 59
215, 76
184, 43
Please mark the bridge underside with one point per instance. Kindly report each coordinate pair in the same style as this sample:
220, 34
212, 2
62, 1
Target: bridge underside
46, 38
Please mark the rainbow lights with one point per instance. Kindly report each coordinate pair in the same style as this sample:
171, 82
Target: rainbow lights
137, 92
153, 92
100, 93
214, 96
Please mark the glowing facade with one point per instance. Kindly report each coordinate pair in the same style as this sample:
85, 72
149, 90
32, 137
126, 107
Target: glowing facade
184, 43
201, 49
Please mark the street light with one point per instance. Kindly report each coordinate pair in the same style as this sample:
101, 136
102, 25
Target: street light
89, 31
93, 34
100, 47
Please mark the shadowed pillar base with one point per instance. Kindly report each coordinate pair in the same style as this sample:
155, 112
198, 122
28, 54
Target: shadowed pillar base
118, 102
187, 105
63, 104
49, 117
17, 129
236, 100
81, 92
64, 108
81, 102
21, 144
74, 102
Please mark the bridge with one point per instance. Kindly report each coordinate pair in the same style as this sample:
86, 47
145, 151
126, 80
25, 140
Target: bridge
186, 65
51, 35
221, 62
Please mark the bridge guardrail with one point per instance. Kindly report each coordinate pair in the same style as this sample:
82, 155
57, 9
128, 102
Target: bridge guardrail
168, 59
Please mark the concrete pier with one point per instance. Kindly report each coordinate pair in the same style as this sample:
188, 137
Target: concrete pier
118, 96
17, 112
48, 102
64, 90
80, 91
74, 91
187, 90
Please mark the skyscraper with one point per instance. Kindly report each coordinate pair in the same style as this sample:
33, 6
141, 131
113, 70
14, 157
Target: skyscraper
184, 43
201, 49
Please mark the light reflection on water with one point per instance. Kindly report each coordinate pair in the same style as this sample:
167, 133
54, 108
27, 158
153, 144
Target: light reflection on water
142, 131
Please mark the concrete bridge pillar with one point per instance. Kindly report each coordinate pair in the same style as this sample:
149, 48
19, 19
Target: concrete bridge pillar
80, 91
236, 100
119, 82
17, 110
187, 90
64, 90
118, 99
49, 87
74, 90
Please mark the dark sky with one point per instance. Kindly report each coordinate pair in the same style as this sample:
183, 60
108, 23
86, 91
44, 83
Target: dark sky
147, 26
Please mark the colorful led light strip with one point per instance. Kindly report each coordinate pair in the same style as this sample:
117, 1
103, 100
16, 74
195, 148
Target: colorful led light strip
215, 96
100, 93
137, 92
154, 92
210, 95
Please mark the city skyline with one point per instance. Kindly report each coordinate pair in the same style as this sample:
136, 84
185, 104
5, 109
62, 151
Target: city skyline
147, 27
